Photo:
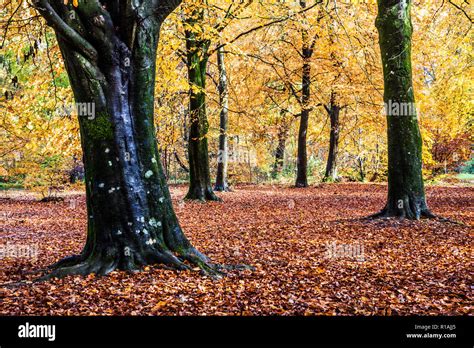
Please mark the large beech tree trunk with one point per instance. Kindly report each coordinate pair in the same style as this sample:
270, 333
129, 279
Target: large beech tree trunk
222, 158
197, 57
131, 222
331, 166
406, 194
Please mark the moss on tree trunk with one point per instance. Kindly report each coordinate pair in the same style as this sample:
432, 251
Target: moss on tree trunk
406, 194
131, 221
197, 57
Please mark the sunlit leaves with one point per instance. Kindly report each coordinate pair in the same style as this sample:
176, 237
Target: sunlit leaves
75, 3
263, 67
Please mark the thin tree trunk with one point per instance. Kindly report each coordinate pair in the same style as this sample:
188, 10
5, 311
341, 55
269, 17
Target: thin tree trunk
197, 57
281, 146
222, 158
406, 194
302, 158
331, 166
361, 167
279, 155
181, 164
131, 221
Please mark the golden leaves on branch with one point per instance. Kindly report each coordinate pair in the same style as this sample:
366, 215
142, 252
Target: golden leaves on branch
75, 3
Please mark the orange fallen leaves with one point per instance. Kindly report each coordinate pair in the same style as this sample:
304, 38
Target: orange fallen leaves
408, 267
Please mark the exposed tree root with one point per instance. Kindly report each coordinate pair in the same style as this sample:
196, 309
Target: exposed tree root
301, 185
222, 188
387, 214
402, 214
188, 259
67, 261
443, 219
202, 195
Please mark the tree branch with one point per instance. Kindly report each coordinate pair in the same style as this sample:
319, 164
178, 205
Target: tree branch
461, 9
61, 27
261, 26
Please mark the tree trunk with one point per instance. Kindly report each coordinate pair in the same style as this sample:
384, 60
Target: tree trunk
331, 166
222, 158
361, 167
131, 221
279, 155
302, 158
197, 57
281, 146
406, 194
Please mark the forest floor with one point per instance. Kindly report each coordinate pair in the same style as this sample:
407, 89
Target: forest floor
382, 267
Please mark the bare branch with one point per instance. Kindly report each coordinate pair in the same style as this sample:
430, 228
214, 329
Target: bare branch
461, 9
264, 25
62, 28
